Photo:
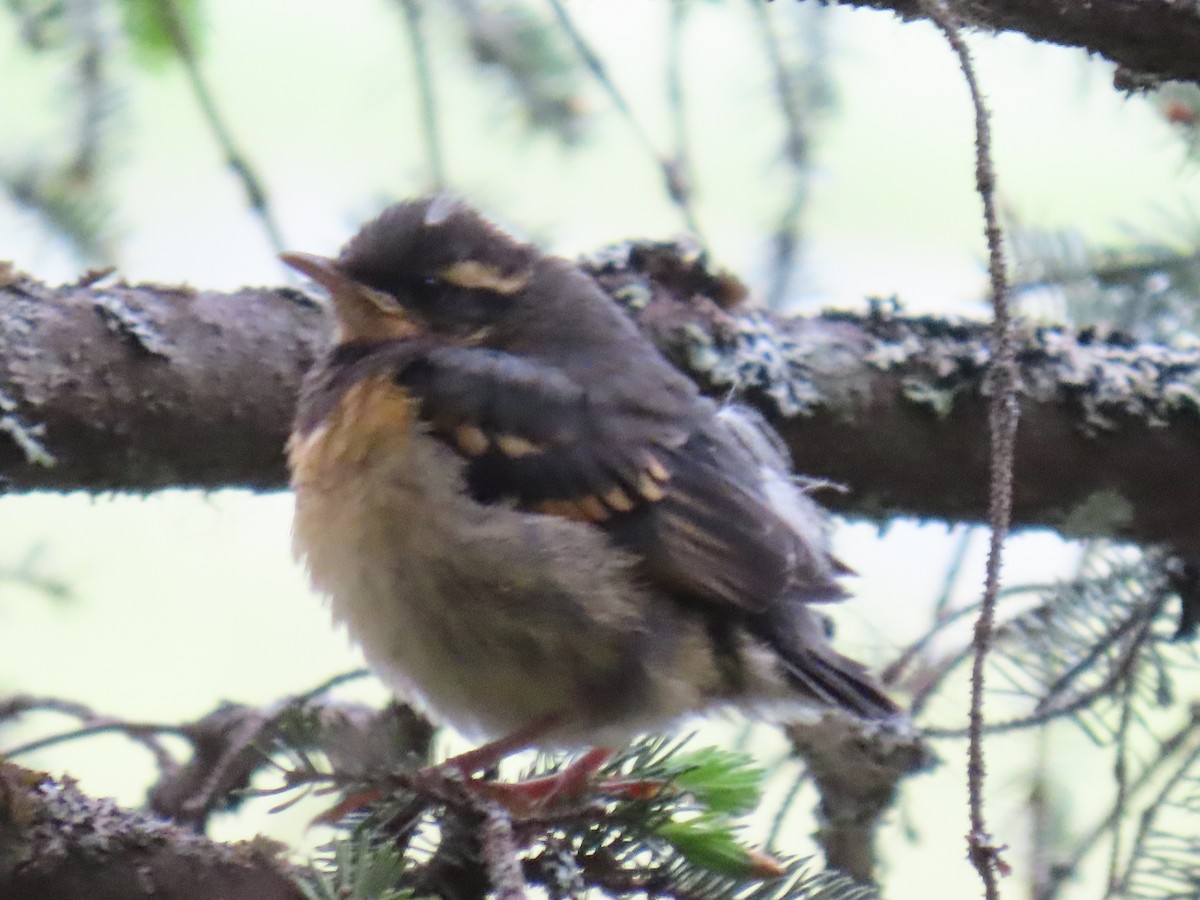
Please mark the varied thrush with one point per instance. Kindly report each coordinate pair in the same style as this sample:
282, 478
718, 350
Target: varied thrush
531, 522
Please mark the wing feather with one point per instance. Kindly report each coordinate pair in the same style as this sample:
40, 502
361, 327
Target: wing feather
668, 485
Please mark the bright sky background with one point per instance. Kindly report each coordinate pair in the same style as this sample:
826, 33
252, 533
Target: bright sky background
181, 601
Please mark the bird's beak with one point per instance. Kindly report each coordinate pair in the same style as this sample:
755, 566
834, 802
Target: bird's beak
320, 269
361, 311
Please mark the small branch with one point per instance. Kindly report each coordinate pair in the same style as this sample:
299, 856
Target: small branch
857, 767
1120, 673
424, 80
1156, 38
1150, 814
678, 190
795, 114
146, 734
233, 742
681, 173
1003, 413
1167, 751
238, 162
1121, 774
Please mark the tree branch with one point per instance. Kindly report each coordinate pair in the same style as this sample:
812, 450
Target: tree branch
59, 844
857, 767
1156, 38
139, 388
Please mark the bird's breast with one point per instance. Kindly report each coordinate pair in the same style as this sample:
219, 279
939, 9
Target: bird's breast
489, 616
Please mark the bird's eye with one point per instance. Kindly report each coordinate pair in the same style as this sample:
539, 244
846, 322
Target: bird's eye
427, 289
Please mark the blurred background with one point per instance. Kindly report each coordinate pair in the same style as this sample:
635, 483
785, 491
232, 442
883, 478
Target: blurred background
158, 608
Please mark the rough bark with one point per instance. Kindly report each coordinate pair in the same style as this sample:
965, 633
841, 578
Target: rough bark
1149, 40
117, 388
139, 388
59, 844
857, 767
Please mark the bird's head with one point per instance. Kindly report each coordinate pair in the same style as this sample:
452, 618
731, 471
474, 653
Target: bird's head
429, 265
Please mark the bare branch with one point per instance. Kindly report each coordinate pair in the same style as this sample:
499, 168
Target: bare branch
1158, 38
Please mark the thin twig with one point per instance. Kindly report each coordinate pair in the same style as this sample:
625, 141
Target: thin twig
236, 741
429, 121
92, 91
682, 157
1043, 832
1149, 814
797, 134
1004, 412
146, 735
677, 188
953, 570
893, 670
252, 185
23, 703
139, 732
1166, 751
785, 807
929, 686
1121, 771
326, 686
1120, 672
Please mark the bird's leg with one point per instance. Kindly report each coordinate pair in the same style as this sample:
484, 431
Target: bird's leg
568, 784
492, 753
462, 767
521, 796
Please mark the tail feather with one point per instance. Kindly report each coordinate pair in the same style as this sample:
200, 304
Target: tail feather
840, 683
820, 672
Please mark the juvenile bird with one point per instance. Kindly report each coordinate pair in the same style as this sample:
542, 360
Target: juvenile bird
531, 522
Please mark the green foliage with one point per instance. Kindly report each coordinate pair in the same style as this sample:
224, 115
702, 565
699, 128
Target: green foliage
659, 820
155, 28
354, 869
723, 782
708, 841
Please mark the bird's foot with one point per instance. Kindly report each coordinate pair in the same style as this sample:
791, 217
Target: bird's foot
576, 782
570, 784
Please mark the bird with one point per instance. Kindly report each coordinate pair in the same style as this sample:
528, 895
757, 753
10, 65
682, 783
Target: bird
537, 529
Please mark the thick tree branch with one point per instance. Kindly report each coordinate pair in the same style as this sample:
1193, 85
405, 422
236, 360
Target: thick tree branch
59, 844
1155, 38
139, 388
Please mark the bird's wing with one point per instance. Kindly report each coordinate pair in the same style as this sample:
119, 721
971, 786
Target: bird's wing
666, 485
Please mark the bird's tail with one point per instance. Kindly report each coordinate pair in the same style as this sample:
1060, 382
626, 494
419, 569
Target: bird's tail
833, 680
819, 672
